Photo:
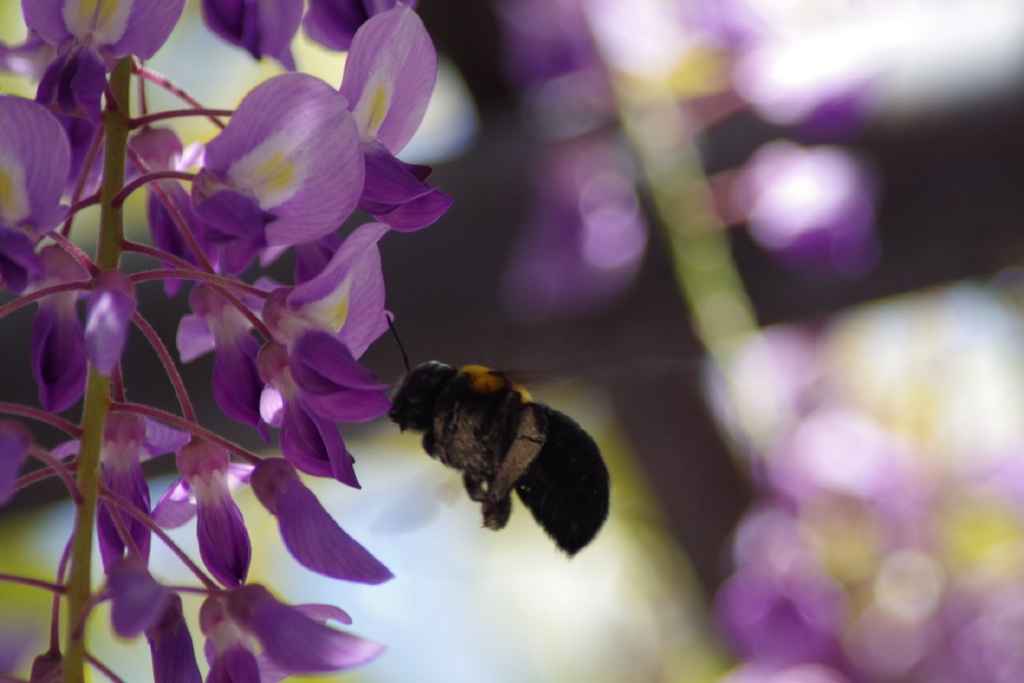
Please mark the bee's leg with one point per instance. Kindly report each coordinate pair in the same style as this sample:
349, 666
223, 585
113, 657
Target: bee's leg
474, 486
496, 512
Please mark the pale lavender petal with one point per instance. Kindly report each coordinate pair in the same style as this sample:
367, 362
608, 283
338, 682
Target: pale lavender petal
149, 25
170, 644
46, 18
312, 258
389, 76
333, 383
58, 355
395, 192
161, 438
235, 665
223, 540
108, 313
294, 146
14, 443
137, 599
27, 59
36, 157
176, 507
323, 613
310, 533
194, 338
132, 27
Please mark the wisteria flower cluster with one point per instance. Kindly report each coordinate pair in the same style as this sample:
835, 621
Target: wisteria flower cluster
294, 161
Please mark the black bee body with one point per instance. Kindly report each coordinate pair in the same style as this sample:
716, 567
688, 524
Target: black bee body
483, 424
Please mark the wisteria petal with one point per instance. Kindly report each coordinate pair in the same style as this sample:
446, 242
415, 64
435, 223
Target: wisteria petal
34, 162
223, 541
348, 295
313, 444
170, 645
176, 507
14, 443
108, 313
333, 23
161, 439
194, 338
137, 599
304, 645
333, 383
310, 533
293, 145
236, 382
396, 194
312, 258
389, 76
58, 355
123, 436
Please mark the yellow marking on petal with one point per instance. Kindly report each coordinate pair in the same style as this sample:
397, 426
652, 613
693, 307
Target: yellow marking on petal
379, 103
277, 171
339, 313
14, 206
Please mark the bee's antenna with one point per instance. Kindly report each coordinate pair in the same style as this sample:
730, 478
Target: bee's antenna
391, 324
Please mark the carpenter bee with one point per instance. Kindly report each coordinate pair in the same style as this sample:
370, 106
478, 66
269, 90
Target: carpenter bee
484, 424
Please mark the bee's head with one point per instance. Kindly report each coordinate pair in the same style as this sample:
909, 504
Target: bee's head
412, 406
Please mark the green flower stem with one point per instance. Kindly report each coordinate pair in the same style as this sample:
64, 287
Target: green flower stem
97, 388
658, 126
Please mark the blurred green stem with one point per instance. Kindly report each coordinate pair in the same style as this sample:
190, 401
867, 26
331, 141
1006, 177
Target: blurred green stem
658, 127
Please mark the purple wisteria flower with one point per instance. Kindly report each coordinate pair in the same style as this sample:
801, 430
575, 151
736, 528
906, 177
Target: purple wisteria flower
59, 362
262, 27
236, 382
287, 169
89, 40
309, 532
312, 378
223, 540
294, 639
14, 444
121, 457
813, 206
389, 77
586, 237
33, 168
333, 23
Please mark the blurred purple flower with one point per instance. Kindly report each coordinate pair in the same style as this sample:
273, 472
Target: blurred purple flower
333, 23
170, 645
292, 641
59, 362
137, 599
14, 444
34, 168
586, 236
389, 76
287, 169
550, 55
814, 207
308, 531
262, 27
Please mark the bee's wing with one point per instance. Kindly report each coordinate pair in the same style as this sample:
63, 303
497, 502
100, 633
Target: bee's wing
567, 486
